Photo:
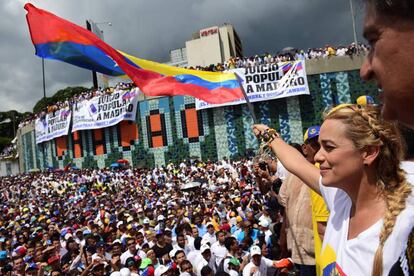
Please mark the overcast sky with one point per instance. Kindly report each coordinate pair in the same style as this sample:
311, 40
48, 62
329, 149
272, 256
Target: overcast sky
151, 28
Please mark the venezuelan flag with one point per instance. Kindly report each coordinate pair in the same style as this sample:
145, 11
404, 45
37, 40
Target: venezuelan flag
56, 38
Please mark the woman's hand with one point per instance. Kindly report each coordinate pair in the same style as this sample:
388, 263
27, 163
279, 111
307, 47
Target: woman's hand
258, 129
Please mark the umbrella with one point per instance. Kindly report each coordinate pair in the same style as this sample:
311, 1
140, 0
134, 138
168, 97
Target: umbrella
190, 185
115, 165
122, 161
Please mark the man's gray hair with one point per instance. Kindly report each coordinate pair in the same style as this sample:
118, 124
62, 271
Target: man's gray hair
399, 8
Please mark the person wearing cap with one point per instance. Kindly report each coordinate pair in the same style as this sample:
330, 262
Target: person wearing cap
259, 265
161, 223
296, 197
365, 100
206, 259
264, 228
320, 213
162, 270
234, 267
146, 267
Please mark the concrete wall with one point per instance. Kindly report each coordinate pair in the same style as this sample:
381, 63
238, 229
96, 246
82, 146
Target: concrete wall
9, 167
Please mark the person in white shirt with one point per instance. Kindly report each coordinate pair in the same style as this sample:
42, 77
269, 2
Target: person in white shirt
195, 254
210, 236
370, 200
206, 260
131, 251
218, 249
264, 227
258, 265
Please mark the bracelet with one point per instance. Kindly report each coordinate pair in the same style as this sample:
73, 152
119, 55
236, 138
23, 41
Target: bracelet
269, 135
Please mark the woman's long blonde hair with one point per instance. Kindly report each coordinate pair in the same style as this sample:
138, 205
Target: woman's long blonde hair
365, 127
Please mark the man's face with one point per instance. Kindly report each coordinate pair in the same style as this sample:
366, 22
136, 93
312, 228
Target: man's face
221, 237
390, 63
195, 232
181, 241
140, 238
310, 148
131, 246
210, 229
235, 246
180, 258
18, 264
116, 249
256, 259
206, 255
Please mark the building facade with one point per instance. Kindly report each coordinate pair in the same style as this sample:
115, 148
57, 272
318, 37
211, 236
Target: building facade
170, 129
213, 45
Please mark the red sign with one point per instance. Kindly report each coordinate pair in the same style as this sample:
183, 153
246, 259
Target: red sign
207, 32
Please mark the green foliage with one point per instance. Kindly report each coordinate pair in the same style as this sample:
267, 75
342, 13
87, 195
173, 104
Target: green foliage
89, 162
4, 141
59, 96
67, 160
142, 158
9, 121
113, 157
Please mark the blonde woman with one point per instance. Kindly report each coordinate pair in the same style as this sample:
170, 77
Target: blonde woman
371, 203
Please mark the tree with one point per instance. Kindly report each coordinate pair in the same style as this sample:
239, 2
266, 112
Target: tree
60, 96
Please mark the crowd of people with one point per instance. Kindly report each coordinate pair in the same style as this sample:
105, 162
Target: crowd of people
289, 54
140, 222
72, 102
359, 162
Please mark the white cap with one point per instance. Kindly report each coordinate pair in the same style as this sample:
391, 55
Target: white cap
125, 272
264, 223
146, 221
119, 223
204, 247
160, 217
160, 270
255, 250
68, 235
117, 241
209, 223
172, 253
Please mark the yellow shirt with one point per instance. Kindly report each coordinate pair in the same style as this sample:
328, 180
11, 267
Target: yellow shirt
319, 214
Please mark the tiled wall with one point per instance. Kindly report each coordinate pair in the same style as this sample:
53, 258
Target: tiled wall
170, 129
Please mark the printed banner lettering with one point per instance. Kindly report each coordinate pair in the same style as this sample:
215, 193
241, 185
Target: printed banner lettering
52, 125
106, 110
269, 81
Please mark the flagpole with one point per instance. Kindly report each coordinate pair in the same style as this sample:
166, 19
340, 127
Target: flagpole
43, 74
249, 105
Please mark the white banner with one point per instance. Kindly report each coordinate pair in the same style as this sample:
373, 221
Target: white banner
106, 110
267, 82
53, 125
